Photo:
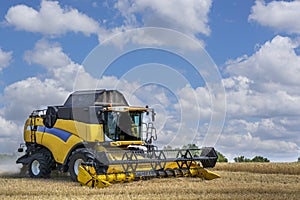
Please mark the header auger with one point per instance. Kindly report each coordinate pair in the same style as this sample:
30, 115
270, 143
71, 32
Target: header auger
99, 139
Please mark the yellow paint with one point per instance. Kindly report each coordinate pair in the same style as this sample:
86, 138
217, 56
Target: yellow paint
126, 143
58, 147
31, 123
87, 132
79, 132
87, 175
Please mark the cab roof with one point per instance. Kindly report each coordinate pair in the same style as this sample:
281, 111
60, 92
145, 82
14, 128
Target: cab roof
96, 98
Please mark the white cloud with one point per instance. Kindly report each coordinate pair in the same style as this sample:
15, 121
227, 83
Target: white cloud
7, 128
249, 146
181, 115
263, 101
59, 66
67, 76
264, 128
190, 17
5, 59
48, 55
265, 137
244, 100
280, 15
276, 62
196, 101
10, 135
150, 36
22, 97
265, 84
51, 19
64, 76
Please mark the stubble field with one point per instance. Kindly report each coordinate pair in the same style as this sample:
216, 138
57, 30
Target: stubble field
239, 181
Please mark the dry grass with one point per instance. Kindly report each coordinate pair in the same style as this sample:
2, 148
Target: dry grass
240, 184
264, 168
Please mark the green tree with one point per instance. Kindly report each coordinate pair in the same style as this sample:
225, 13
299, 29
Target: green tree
299, 159
241, 159
255, 159
193, 149
168, 147
260, 159
221, 157
190, 146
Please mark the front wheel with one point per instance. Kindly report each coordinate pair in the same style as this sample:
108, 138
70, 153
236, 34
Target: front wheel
79, 156
40, 166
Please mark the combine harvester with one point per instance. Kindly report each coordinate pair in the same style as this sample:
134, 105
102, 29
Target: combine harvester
99, 139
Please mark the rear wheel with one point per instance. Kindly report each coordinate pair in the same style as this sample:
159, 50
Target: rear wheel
79, 156
40, 166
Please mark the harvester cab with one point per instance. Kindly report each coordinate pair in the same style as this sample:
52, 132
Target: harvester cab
127, 124
99, 139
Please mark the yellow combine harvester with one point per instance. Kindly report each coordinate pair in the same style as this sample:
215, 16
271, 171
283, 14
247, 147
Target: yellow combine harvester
99, 139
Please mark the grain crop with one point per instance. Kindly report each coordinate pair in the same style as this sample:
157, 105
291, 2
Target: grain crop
238, 181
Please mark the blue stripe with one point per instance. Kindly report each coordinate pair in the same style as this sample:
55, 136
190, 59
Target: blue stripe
64, 135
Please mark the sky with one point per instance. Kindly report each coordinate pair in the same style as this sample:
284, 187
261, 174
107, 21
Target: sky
218, 73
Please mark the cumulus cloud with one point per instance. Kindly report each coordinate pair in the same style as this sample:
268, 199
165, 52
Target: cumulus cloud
275, 62
20, 99
196, 101
24, 96
50, 19
5, 59
266, 83
59, 66
63, 76
7, 128
250, 146
266, 136
10, 137
263, 101
184, 116
187, 16
280, 15
244, 100
259, 124
48, 55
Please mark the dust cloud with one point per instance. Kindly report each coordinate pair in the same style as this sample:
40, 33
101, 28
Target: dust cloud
8, 166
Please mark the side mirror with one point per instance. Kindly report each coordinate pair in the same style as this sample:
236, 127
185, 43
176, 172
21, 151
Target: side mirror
153, 115
147, 113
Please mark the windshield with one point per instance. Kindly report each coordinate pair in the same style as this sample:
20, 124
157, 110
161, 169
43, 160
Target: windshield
123, 126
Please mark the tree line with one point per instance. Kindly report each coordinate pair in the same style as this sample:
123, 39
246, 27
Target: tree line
255, 159
222, 158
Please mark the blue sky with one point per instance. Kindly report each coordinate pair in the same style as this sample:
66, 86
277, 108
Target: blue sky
254, 44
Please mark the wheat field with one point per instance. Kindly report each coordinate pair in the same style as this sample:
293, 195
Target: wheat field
239, 181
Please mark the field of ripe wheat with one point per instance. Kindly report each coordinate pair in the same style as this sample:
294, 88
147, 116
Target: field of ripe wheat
239, 181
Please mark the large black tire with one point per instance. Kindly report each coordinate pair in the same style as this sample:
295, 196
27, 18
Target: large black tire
79, 156
40, 166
